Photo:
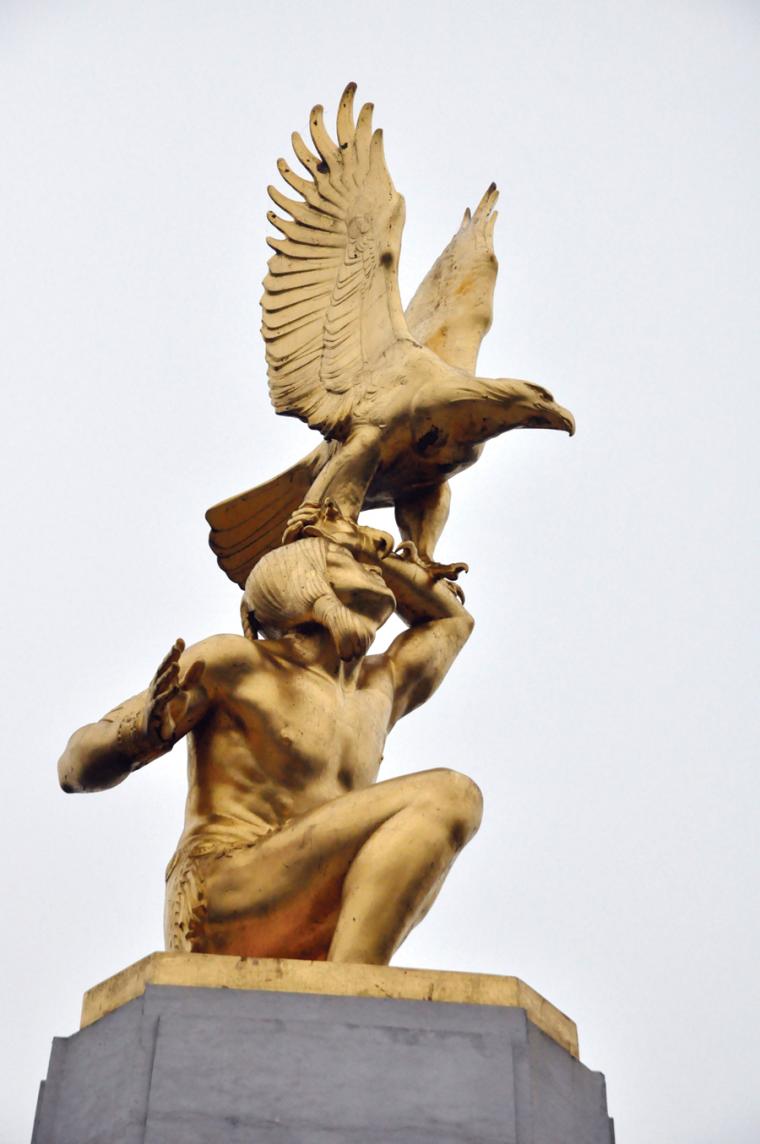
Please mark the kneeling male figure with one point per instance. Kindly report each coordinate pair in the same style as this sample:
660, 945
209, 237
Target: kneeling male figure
290, 848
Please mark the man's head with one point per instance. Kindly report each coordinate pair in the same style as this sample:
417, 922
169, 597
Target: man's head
318, 581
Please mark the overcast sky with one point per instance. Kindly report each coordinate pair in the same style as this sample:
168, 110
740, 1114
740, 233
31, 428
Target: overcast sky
607, 703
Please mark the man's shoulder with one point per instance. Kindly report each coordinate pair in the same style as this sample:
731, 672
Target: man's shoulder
225, 649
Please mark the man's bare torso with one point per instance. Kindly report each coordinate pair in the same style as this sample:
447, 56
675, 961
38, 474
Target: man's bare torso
274, 743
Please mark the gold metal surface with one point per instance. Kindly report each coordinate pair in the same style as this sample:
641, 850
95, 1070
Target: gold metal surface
394, 394
287, 976
290, 847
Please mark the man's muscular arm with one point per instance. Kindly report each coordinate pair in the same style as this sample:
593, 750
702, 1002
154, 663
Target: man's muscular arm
439, 627
100, 755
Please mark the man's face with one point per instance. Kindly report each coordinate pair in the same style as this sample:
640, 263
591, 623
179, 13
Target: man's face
359, 587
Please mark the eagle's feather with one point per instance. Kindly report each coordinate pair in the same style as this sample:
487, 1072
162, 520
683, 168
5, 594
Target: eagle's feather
331, 304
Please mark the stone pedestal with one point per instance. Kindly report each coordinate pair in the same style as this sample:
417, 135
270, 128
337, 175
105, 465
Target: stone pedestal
270, 1052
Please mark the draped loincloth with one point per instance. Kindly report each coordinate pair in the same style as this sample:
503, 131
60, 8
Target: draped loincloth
186, 904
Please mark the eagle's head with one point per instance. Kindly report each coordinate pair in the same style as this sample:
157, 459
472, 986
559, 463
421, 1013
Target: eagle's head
480, 408
537, 409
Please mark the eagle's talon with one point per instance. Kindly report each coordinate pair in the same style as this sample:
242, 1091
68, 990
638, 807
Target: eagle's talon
407, 550
455, 589
306, 514
447, 571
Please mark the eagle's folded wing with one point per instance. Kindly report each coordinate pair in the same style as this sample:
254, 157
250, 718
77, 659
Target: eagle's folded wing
331, 304
452, 310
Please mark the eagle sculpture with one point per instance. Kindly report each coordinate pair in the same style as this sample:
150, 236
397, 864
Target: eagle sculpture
394, 394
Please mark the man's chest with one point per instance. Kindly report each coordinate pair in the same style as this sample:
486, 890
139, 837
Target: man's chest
312, 725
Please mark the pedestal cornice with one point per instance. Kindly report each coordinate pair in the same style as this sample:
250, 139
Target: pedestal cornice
211, 971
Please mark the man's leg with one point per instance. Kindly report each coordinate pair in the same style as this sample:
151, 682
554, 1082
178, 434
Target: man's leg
351, 877
398, 872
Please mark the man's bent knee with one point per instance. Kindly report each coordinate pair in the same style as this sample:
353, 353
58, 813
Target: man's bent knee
457, 801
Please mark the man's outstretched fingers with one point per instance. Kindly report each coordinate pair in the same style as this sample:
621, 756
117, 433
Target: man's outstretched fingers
165, 679
172, 655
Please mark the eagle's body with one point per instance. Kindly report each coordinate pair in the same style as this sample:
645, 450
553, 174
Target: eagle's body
394, 394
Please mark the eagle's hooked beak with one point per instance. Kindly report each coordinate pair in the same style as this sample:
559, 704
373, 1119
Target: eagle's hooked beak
550, 415
567, 419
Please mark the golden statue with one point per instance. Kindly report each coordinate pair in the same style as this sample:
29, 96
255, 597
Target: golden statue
395, 395
290, 848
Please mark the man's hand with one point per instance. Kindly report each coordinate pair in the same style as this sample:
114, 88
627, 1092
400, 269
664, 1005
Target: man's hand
168, 696
421, 595
100, 755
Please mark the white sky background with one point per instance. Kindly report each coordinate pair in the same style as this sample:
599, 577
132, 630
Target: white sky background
607, 701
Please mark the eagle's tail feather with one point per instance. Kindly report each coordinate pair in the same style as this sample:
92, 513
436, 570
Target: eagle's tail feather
246, 527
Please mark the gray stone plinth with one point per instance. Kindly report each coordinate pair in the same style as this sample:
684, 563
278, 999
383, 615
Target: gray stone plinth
182, 1065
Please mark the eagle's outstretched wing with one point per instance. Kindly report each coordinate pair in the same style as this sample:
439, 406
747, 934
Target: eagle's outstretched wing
452, 310
331, 303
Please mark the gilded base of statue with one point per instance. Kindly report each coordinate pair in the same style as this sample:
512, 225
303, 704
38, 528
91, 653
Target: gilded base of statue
194, 1049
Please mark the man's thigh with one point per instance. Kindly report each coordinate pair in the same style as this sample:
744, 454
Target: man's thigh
308, 856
